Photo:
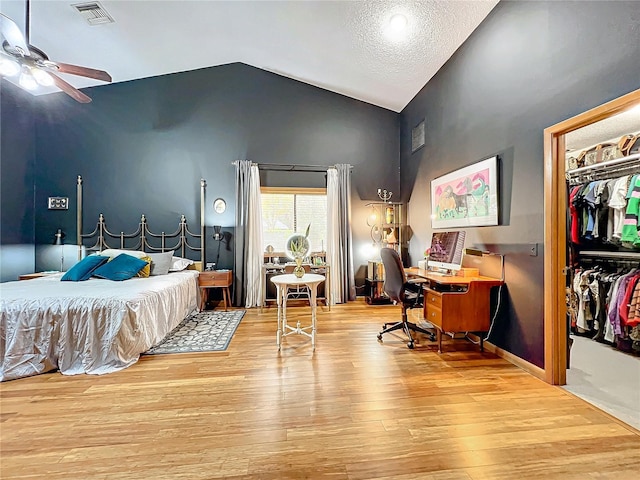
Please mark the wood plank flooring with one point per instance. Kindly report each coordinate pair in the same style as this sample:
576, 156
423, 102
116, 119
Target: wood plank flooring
354, 409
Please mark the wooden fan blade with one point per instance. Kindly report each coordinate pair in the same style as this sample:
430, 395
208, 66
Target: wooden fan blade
12, 34
69, 89
83, 71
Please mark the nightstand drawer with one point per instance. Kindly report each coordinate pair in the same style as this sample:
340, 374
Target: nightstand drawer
215, 278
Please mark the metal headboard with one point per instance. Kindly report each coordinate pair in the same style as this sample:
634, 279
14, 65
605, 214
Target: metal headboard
139, 240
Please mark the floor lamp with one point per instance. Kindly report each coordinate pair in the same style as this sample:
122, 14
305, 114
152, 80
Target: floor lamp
59, 240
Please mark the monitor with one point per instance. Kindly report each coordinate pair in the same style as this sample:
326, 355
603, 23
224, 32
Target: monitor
446, 250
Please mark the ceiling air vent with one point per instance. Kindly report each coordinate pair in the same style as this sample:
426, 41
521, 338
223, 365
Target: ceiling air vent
93, 13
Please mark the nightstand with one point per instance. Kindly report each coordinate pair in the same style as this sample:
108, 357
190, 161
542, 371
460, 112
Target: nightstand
215, 279
29, 276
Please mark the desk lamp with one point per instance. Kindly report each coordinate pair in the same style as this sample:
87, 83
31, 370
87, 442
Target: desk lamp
485, 253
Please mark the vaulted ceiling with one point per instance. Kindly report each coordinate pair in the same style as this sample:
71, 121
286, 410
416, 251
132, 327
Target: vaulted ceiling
341, 46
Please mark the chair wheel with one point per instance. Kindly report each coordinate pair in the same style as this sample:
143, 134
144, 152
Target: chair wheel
410, 345
379, 338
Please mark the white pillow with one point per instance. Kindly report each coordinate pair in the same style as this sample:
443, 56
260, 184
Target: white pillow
179, 263
113, 252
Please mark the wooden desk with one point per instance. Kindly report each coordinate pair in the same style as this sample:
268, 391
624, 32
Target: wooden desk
215, 279
456, 304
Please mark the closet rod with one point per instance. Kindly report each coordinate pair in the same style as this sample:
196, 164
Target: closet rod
616, 171
610, 163
596, 253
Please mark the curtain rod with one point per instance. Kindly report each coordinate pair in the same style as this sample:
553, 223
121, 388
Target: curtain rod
287, 167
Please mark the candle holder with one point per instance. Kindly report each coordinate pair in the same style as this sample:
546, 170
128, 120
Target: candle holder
384, 195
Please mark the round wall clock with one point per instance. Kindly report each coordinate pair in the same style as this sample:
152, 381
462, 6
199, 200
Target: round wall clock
219, 205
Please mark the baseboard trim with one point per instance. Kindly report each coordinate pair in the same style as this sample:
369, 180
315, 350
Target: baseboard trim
511, 358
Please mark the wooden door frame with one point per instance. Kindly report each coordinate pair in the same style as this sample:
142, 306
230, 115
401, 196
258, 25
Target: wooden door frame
555, 235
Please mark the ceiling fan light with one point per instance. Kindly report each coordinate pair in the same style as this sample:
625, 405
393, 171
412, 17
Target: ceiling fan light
42, 77
8, 66
26, 80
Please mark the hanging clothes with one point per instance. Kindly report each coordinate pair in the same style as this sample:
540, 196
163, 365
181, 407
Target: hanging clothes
631, 227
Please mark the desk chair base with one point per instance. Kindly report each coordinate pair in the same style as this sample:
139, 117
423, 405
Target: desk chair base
407, 327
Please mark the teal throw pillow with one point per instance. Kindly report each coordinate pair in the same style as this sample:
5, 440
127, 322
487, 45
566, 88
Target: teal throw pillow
122, 267
83, 270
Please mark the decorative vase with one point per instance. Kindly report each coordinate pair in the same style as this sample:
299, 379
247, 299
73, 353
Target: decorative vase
298, 271
391, 238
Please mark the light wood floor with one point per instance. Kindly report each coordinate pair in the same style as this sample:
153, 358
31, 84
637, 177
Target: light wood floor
354, 409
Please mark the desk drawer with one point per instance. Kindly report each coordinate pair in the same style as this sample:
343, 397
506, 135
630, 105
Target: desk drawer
215, 279
433, 298
434, 315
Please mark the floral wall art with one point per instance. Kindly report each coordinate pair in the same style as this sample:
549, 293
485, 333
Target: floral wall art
467, 197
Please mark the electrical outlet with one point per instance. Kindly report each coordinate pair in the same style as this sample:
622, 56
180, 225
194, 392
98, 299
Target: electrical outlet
533, 249
58, 203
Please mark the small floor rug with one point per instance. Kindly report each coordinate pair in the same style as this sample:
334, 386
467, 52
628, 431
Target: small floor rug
207, 331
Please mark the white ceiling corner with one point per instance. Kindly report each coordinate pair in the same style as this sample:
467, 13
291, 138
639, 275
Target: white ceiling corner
336, 45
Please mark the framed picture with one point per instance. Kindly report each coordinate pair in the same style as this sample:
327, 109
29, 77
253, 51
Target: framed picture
467, 197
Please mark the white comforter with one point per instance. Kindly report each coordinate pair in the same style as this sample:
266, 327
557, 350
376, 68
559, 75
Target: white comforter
97, 326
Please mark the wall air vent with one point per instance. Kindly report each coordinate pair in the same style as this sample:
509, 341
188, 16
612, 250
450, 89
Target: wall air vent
93, 13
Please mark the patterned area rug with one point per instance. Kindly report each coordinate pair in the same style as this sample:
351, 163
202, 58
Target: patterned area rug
207, 331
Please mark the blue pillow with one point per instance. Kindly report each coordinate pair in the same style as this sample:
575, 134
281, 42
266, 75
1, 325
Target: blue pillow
84, 268
122, 267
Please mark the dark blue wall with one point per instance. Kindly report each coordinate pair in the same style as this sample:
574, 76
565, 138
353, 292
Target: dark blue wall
528, 66
142, 146
17, 159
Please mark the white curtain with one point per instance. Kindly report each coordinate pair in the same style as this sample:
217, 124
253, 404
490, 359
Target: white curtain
254, 251
248, 240
339, 240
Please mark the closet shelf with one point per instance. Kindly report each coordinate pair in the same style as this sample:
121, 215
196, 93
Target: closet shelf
599, 171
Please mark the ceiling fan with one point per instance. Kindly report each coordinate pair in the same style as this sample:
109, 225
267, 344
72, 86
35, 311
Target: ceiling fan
18, 58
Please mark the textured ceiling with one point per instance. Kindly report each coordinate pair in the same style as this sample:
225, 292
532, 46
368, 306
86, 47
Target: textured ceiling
609, 130
340, 46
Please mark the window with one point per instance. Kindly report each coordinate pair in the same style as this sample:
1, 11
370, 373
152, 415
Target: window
286, 211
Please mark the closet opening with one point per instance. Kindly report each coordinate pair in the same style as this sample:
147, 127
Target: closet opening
586, 151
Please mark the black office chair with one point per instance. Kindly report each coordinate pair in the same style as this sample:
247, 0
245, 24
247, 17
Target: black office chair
407, 294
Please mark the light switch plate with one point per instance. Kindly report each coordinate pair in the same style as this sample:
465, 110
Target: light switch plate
58, 203
533, 249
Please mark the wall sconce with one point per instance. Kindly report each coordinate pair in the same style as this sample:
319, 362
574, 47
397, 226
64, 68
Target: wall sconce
221, 237
59, 240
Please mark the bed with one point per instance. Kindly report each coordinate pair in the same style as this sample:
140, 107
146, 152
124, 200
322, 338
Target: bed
98, 326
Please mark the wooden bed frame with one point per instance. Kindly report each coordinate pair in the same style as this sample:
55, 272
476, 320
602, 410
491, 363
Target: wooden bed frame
139, 240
